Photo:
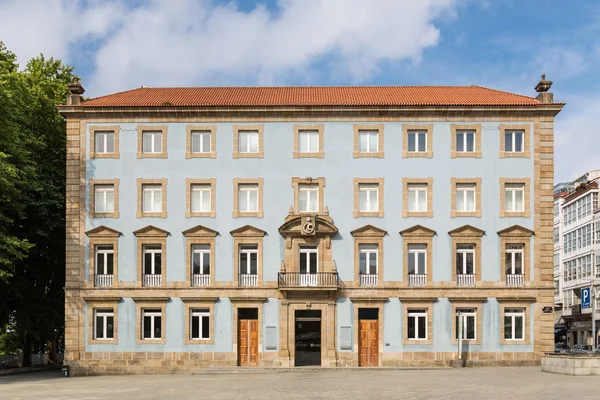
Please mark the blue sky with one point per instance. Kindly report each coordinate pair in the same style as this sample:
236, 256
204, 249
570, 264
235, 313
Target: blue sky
505, 44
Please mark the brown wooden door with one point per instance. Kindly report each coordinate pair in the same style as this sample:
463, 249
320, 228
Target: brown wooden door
368, 337
248, 343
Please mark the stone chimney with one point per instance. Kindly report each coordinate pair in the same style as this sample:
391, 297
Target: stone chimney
75, 91
542, 88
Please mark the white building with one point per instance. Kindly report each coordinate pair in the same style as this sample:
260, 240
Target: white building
576, 256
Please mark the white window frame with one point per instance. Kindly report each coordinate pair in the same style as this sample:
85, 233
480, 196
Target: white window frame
104, 314
368, 134
146, 249
101, 191
203, 250
305, 190
152, 135
464, 190
417, 133
513, 257
244, 193
465, 134
200, 313
465, 316
154, 190
513, 134
419, 191
370, 251
205, 197
413, 251
152, 314
416, 315
513, 314
460, 248
368, 189
308, 250
102, 137
199, 135
513, 188
308, 135
251, 136
247, 269
104, 254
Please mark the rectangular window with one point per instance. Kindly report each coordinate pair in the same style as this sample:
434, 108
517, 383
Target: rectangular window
200, 198
104, 324
201, 142
104, 259
465, 259
309, 263
368, 197
368, 141
417, 324
152, 259
152, 142
513, 141
200, 324
104, 142
417, 257
308, 141
151, 324
308, 198
367, 264
465, 141
248, 197
514, 324
417, 141
249, 260
556, 235
514, 259
248, 142
514, 197
556, 210
417, 197
465, 197
152, 198
104, 198
469, 317
201, 259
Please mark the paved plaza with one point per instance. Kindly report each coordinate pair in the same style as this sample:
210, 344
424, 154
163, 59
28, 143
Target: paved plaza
470, 383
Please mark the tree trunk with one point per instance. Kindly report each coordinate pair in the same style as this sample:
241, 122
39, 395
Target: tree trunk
27, 341
52, 351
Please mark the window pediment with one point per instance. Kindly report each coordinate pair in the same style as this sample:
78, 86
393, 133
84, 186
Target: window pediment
103, 231
417, 231
200, 231
248, 231
151, 231
368, 231
516, 231
466, 231
294, 227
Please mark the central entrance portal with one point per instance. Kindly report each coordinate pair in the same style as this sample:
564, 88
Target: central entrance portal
308, 337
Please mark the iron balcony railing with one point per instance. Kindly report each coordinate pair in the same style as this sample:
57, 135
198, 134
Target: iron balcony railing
201, 280
515, 280
465, 280
248, 280
417, 280
368, 280
151, 280
103, 280
297, 279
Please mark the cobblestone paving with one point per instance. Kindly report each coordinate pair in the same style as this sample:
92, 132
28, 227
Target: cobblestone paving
476, 383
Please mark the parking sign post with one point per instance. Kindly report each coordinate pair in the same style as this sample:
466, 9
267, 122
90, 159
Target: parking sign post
593, 296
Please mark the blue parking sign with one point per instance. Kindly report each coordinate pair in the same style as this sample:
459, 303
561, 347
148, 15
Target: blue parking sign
586, 296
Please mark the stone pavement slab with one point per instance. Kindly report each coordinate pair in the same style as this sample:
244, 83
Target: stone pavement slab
468, 383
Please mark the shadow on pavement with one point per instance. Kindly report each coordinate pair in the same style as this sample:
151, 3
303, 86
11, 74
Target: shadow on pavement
32, 376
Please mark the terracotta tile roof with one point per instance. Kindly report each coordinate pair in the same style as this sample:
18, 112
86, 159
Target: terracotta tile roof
343, 96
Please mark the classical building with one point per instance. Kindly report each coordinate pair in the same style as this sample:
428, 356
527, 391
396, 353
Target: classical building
331, 226
576, 257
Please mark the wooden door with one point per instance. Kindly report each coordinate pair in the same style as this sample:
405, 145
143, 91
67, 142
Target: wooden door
248, 343
368, 352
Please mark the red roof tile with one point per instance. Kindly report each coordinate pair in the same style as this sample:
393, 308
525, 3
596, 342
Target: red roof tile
312, 96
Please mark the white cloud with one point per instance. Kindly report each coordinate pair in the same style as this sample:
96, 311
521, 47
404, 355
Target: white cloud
186, 42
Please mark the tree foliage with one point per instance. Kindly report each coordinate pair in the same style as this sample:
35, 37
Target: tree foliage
32, 196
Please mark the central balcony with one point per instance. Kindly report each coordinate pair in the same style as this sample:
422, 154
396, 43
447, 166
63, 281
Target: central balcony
303, 281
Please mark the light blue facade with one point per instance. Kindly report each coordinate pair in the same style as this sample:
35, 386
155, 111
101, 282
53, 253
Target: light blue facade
339, 168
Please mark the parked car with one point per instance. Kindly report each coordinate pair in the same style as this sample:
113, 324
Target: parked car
561, 348
582, 348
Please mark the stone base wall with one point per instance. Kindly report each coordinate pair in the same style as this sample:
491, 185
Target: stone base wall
138, 363
571, 365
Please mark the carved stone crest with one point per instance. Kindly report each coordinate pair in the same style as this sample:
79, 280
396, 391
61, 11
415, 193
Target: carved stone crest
308, 225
